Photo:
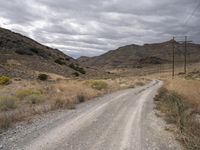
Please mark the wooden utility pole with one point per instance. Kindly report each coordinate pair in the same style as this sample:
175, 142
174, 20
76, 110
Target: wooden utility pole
173, 56
185, 56
185, 42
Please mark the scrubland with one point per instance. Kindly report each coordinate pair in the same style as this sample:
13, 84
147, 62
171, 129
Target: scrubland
179, 104
21, 99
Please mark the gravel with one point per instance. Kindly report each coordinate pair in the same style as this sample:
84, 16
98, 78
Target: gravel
123, 120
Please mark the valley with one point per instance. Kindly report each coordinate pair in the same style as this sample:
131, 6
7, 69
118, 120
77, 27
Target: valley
53, 101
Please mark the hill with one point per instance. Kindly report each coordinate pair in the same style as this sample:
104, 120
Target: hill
136, 56
23, 57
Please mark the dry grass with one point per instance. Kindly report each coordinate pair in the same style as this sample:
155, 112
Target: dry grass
35, 97
189, 89
97, 84
179, 102
7, 103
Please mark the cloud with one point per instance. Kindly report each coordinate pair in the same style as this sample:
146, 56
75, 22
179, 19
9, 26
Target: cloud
90, 28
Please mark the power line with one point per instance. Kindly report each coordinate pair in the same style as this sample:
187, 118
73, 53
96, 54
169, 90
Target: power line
193, 12
185, 53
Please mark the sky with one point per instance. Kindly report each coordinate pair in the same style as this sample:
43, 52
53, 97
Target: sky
92, 27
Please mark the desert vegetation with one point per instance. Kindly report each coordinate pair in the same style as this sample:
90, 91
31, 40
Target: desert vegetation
178, 102
7, 103
60, 61
42, 76
76, 67
24, 98
4, 80
95, 84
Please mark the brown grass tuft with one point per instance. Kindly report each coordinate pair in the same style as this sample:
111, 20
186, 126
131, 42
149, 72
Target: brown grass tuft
181, 112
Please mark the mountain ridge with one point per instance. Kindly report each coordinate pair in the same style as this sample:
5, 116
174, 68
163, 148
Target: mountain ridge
135, 56
21, 56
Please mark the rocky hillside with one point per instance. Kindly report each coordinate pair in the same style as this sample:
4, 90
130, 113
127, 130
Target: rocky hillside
139, 56
23, 57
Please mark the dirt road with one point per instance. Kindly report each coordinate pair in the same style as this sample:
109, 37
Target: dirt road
124, 120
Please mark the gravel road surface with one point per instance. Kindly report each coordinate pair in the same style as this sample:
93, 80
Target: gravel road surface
123, 120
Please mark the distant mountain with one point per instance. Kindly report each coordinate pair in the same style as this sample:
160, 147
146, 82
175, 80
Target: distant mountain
21, 56
139, 56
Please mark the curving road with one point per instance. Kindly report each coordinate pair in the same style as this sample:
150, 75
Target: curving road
124, 120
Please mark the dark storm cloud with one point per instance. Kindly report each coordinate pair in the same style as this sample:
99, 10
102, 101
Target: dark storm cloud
92, 27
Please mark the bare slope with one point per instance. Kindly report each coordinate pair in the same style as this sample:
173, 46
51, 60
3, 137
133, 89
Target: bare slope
139, 56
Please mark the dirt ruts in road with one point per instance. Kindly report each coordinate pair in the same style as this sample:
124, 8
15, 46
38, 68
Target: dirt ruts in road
123, 120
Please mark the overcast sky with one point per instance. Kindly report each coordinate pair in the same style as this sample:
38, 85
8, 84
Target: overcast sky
92, 27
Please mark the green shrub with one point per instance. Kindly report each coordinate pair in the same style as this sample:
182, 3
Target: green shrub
72, 66
98, 85
21, 94
81, 70
80, 98
60, 61
7, 103
77, 68
42, 77
4, 80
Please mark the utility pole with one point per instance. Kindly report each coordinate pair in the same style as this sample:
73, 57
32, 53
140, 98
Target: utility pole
185, 56
173, 47
185, 53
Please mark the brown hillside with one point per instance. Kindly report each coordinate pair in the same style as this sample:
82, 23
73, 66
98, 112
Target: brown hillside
139, 56
21, 56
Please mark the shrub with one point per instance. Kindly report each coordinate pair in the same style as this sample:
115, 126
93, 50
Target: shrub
59, 103
71, 105
33, 99
42, 77
98, 85
80, 98
21, 94
7, 103
35, 50
5, 121
75, 74
72, 66
181, 113
77, 68
67, 59
60, 61
23, 52
81, 70
140, 83
4, 80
